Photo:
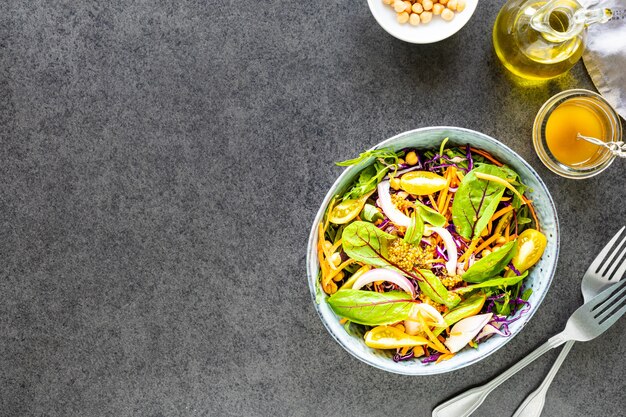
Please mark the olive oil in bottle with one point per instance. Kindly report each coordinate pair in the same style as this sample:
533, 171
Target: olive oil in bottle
542, 39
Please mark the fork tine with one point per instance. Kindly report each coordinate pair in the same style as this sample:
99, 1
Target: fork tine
595, 265
609, 321
619, 274
614, 261
607, 297
615, 302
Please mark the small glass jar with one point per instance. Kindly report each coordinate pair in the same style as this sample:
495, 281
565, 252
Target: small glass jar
611, 128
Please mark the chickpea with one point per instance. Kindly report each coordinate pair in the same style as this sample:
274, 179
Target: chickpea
414, 20
427, 4
443, 2
411, 157
447, 14
388, 2
335, 258
452, 5
500, 240
402, 17
486, 252
399, 6
407, 6
328, 245
417, 8
460, 5
426, 17
437, 9
395, 183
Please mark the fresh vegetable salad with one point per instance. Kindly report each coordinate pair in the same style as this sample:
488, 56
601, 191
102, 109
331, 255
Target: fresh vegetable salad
428, 250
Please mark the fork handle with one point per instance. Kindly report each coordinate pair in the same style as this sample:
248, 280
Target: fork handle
533, 404
465, 404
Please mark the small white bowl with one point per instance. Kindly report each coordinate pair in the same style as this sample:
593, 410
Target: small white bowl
434, 31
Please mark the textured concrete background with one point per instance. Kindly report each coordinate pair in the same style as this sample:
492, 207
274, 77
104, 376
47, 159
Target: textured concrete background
160, 168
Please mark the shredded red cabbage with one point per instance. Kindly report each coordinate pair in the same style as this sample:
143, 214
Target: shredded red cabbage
431, 358
383, 224
441, 253
470, 160
518, 273
399, 358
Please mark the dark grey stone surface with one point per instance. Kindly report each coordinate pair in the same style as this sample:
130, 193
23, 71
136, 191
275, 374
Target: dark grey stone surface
160, 167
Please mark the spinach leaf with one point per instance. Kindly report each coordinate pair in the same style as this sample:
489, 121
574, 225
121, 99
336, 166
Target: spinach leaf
526, 294
430, 215
370, 213
366, 243
468, 307
383, 153
492, 264
476, 200
371, 308
496, 282
415, 230
436, 291
367, 182
369, 178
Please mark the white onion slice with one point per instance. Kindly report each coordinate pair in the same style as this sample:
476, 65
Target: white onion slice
448, 241
382, 274
431, 316
488, 330
465, 330
389, 208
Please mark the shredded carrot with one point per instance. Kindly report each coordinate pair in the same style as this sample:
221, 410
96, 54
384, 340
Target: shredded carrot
469, 250
447, 203
340, 268
432, 201
501, 212
512, 237
444, 357
444, 193
460, 175
335, 246
489, 226
437, 345
486, 155
433, 261
486, 243
532, 212
506, 232
404, 350
425, 349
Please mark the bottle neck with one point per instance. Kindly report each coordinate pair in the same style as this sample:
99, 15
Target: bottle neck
559, 21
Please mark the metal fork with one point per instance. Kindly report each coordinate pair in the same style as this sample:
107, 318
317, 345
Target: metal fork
602, 272
588, 322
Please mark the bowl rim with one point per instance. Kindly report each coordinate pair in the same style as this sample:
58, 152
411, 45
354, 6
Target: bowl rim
397, 35
427, 370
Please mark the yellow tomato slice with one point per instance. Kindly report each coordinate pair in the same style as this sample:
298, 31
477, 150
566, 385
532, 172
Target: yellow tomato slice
388, 337
345, 211
530, 246
422, 182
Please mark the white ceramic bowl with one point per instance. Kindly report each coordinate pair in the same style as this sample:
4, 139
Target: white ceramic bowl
539, 278
434, 31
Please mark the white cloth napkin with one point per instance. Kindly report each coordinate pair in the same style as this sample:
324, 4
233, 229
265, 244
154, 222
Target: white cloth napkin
605, 53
